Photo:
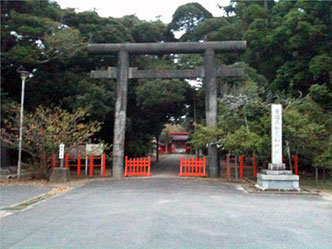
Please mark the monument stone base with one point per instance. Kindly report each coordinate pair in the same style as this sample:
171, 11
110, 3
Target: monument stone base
281, 179
60, 175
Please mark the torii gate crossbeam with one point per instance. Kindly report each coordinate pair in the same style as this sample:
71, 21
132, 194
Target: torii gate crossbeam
123, 73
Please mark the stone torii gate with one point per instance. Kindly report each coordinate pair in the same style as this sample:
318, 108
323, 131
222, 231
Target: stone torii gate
123, 72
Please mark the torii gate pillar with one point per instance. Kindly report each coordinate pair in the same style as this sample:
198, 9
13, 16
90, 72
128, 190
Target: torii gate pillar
210, 81
120, 113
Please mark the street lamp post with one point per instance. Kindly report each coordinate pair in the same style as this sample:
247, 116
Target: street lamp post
24, 74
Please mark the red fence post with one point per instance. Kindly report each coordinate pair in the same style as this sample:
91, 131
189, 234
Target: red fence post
91, 165
255, 169
66, 160
241, 166
180, 166
54, 160
78, 165
149, 159
142, 165
204, 169
126, 166
104, 164
296, 166
227, 165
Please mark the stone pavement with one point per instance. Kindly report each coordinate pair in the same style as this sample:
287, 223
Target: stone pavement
169, 213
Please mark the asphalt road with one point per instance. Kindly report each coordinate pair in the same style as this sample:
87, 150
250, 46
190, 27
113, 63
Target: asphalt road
169, 213
168, 166
10, 195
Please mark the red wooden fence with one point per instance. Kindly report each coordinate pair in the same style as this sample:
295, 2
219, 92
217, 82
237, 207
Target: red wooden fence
102, 164
192, 167
253, 166
295, 160
137, 166
241, 166
75, 161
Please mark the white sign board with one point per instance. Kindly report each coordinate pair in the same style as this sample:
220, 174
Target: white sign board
94, 149
61, 151
276, 130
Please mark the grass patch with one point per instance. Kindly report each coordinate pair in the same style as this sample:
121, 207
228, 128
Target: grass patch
321, 185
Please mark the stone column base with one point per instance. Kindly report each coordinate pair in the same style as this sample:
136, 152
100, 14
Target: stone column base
276, 166
277, 181
60, 175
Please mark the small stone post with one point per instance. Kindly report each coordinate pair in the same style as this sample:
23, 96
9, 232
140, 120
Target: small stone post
60, 175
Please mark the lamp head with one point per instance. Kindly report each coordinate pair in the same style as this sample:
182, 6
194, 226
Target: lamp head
24, 74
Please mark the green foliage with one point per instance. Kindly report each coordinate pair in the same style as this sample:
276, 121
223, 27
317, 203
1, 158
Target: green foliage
26, 55
244, 142
187, 17
94, 98
204, 136
160, 100
321, 68
322, 95
45, 129
324, 159
166, 95
164, 137
149, 31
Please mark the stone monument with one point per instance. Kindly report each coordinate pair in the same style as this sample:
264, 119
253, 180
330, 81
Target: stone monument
276, 177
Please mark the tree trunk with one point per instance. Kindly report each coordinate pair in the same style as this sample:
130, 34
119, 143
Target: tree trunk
157, 150
324, 173
289, 157
265, 5
245, 119
316, 174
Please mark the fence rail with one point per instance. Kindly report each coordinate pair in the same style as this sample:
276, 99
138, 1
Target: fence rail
76, 161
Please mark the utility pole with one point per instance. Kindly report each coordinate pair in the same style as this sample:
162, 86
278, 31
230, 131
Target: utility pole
24, 74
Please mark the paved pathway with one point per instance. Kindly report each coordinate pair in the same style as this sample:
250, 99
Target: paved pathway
169, 213
168, 166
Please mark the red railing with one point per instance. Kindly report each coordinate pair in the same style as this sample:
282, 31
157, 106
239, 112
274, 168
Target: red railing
75, 161
192, 167
295, 161
137, 166
102, 164
241, 165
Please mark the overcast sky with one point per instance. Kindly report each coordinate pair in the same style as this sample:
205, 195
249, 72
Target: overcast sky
144, 9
